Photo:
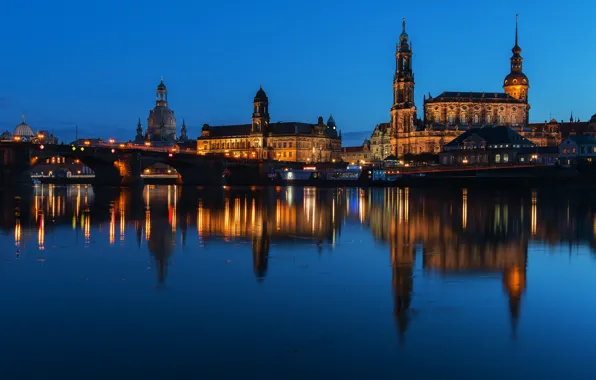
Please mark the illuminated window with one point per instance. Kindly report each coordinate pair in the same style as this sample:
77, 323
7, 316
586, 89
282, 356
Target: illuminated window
451, 119
505, 157
489, 119
476, 119
498, 158
290, 154
463, 118
501, 119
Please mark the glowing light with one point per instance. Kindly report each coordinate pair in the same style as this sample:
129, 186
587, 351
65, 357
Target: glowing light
41, 147
113, 150
111, 141
17, 233
87, 142
41, 233
82, 149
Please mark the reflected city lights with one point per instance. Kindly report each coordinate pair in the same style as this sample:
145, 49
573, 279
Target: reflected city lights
17, 233
112, 225
464, 209
41, 233
534, 213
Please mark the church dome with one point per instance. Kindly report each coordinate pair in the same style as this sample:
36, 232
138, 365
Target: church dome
516, 78
261, 95
593, 119
23, 130
6, 135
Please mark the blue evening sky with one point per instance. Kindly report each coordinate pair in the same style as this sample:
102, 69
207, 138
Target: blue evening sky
96, 64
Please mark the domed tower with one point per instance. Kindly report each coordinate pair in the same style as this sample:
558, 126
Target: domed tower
331, 122
161, 123
260, 115
516, 83
403, 112
23, 131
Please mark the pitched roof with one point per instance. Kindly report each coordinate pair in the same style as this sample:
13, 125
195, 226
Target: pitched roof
489, 97
352, 149
582, 139
281, 128
492, 135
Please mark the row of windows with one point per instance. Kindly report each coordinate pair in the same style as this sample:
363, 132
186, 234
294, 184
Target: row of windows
56, 160
463, 119
582, 150
281, 145
505, 158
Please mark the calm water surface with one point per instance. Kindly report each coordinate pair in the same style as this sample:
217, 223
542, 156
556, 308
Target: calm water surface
297, 283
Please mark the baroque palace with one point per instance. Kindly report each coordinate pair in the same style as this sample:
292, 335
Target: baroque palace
451, 113
283, 141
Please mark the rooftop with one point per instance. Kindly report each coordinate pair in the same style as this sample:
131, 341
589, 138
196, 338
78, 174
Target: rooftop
492, 135
492, 97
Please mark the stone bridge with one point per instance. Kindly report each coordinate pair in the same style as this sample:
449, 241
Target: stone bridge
115, 166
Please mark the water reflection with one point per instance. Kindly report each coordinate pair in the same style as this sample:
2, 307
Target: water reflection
454, 232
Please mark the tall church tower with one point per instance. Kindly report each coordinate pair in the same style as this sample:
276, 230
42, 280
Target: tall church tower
260, 115
403, 112
516, 82
260, 125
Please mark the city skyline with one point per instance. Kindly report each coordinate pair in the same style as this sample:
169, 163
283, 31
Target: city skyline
106, 82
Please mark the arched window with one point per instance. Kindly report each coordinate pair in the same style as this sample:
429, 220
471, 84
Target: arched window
513, 120
489, 118
451, 118
463, 118
498, 158
476, 119
501, 119
505, 158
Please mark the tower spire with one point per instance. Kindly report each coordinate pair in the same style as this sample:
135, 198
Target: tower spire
403, 24
516, 22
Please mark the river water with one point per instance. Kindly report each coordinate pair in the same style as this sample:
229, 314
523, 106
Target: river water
297, 283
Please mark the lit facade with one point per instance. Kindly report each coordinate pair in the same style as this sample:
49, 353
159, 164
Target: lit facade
450, 114
357, 154
282, 141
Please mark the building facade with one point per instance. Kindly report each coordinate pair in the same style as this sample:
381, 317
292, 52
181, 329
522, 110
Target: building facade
357, 155
450, 114
281, 141
498, 145
577, 149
